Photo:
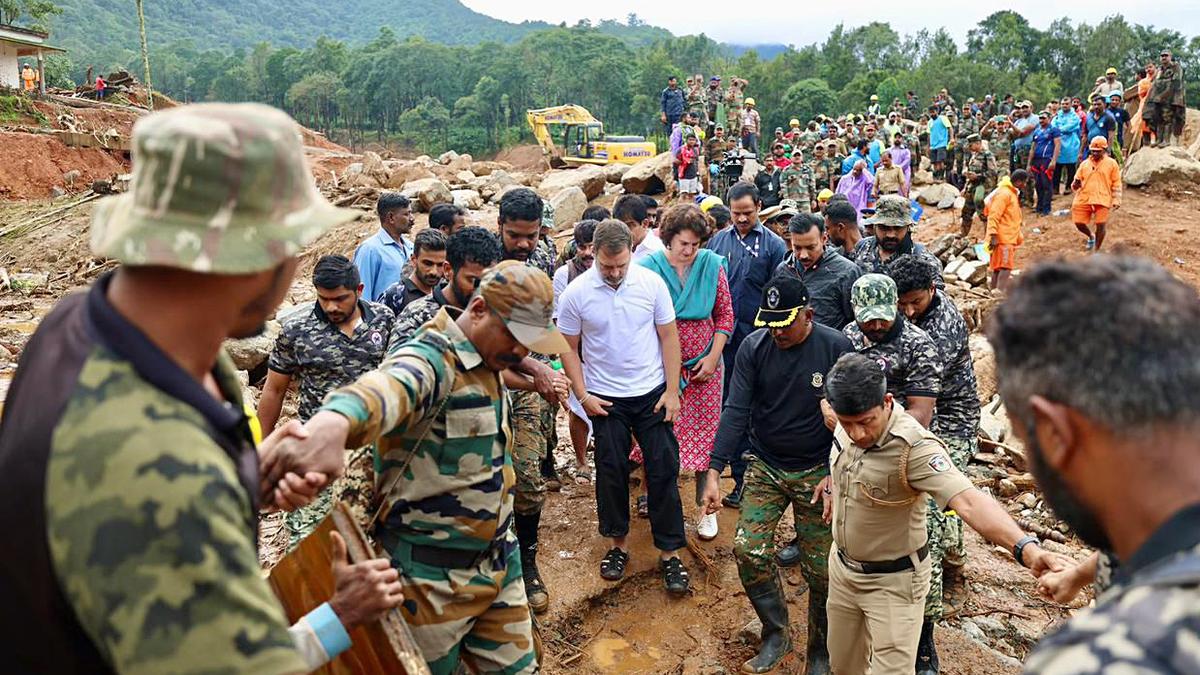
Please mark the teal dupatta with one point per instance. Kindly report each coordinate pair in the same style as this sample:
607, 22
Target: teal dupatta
694, 299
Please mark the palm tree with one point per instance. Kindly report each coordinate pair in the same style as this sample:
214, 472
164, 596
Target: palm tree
145, 54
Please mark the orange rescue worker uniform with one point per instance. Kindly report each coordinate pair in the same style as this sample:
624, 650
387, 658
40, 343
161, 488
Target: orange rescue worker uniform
1003, 211
1099, 186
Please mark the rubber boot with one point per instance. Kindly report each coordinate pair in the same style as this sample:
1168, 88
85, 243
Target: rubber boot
771, 607
789, 556
927, 658
816, 656
527, 539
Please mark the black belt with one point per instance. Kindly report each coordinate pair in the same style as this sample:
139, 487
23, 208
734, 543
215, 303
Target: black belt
457, 558
883, 567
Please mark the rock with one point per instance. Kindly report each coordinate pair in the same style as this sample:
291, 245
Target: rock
1161, 165
613, 173
938, 194
953, 266
71, 176
943, 247
428, 192
424, 159
973, 272
460, 163
990, 625
973, 631
353, 169
485, 168
751, 633
588, 178
447, 157
57, 191
250, 353
467, 199
569, 205
27, 281
374, 167
985, 366
495, 183
922, 177
1028, 500
697, 664
406, 172
1007, 488
992, 427
650, 176
613, 189
526, 178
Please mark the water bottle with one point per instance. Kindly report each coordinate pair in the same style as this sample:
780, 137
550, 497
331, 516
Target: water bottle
1061, 212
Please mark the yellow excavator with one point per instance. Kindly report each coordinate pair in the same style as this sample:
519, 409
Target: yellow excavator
583, 139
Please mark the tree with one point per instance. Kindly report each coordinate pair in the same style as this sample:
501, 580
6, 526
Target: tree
36, 13
808, 98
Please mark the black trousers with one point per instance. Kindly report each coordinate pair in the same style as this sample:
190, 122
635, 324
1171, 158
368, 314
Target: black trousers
1043, 180
660, 456
1064, 175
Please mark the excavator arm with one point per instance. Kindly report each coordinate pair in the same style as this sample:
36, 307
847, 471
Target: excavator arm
541, 119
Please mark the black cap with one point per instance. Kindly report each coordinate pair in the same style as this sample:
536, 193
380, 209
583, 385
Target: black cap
782, 299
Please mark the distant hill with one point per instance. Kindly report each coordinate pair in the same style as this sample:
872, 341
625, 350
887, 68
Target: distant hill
765, 52
105, 31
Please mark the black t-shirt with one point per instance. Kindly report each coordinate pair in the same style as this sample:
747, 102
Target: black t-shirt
775, 394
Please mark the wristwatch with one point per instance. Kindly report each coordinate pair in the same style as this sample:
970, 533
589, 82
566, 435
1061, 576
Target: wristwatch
1019, 547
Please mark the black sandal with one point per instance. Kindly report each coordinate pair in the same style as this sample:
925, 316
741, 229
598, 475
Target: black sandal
643, 506
612, 566
675, 576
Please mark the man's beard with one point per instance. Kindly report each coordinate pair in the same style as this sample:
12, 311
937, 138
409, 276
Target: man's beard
889, 245
1062, 502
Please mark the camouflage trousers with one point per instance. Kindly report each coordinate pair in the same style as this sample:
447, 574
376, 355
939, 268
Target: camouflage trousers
356, 487
946, 529
478, 615
767, 494
533, 426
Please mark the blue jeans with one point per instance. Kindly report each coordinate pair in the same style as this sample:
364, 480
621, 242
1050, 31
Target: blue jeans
750, 142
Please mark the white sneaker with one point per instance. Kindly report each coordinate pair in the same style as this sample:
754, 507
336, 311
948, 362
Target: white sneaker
706, 529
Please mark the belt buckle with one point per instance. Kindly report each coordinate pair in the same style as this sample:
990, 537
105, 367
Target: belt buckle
851, 563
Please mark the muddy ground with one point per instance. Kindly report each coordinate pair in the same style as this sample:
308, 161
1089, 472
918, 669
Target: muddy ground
632, 626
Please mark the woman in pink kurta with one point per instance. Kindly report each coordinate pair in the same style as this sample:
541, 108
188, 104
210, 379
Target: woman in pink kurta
699, 290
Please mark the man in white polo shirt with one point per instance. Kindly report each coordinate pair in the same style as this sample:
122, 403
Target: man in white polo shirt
628, 383
635, 212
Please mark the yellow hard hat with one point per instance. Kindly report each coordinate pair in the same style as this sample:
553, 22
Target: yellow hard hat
794, 123
749, 100
824, 195
874, 97
709, 202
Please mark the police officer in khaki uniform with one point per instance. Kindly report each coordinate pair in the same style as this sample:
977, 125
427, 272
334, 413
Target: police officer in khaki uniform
881, 461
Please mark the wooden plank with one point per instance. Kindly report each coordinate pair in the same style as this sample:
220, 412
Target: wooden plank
304, 579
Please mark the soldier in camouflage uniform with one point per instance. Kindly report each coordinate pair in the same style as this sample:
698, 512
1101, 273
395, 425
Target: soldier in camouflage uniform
341, 337
438, 411
968, 125
734, 100
824, 171
893, 225
697, 101
1130, 432
712, 104
995, 132
784, 361
982, 170
128, 465
909, 358
956, 415
797, 183
522, 213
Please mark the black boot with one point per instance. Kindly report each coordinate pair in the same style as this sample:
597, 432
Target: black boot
771, 608
733, 500
527, 539
789, 556
816, 656
927, 658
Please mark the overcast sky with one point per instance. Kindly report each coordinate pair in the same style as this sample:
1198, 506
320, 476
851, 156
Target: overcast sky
790, 22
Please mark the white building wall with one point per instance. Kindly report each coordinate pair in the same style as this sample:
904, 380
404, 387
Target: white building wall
10, 74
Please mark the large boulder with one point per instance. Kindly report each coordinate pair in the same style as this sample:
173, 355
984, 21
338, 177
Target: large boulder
372, 165
427, 192
250, 353
938, 194
464, 177
1161, 165
985, 366
460, 163
650, 176
484, 168
494, 183
406, 172
588, 178
467, 199
569, 205
447, 157
613, 173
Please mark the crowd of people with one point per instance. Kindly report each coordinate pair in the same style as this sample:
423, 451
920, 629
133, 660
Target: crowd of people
790, 331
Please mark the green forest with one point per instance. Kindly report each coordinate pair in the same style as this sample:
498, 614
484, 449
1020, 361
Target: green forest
400, 87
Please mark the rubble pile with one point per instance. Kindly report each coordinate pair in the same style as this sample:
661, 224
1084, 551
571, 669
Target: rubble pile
965, 272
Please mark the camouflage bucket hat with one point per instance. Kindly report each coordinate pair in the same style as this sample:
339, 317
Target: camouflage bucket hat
891, 211
217, 188
522, 296
547, 214
872, 297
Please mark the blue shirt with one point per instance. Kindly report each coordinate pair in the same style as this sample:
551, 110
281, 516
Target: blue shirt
939, 133
752, 262
1100, 127
380, 261
1121, 116
852, 159
671, 103
1043, 141
1022, 144
1067, 122
873, 151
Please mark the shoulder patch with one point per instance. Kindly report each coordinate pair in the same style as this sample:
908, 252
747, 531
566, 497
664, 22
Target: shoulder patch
939, 463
